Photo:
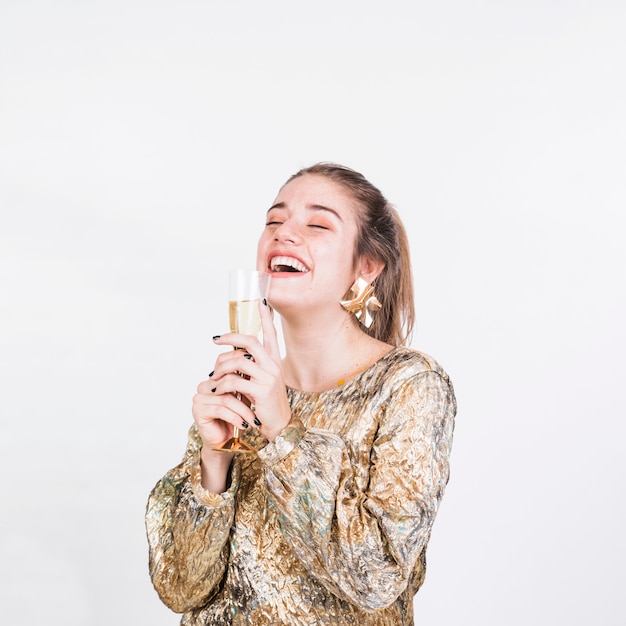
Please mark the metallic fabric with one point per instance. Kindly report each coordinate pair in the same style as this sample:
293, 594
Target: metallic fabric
328, 524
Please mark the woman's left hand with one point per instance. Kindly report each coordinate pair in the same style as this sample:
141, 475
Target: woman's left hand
264, 386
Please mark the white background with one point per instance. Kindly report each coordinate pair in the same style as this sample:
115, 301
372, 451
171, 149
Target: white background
141, 143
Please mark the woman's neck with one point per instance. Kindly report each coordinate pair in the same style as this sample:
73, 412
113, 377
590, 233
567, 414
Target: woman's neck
321, 356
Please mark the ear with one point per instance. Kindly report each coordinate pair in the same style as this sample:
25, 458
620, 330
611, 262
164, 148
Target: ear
370, 269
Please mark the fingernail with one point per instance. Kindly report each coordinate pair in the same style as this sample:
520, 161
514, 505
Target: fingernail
247, 356
264, 301
211, 374
244, 424
213, 390
216, 337
256, 421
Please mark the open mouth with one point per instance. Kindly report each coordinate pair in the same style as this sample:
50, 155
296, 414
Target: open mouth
287, 264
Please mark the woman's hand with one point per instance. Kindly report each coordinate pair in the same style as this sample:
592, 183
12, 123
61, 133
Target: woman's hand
263, 385
216, 409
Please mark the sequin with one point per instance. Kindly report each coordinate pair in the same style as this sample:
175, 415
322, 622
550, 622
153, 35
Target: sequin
329, 523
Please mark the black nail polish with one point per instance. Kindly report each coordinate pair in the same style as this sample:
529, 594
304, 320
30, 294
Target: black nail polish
256, 421
244, 424
264, 301
216, 337
213, 390
211, 374
247, 356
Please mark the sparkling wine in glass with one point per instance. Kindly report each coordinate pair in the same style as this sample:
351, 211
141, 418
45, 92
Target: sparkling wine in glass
246, 288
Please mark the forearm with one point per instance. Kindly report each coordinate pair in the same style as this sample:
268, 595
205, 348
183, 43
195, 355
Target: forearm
215, 468
188, 528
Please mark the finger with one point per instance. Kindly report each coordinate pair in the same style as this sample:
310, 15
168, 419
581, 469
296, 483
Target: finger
205, 386
236, 393
223, 407
237, 340
270, 336
236, 361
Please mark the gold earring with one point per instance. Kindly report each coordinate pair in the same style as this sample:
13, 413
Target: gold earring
361, 301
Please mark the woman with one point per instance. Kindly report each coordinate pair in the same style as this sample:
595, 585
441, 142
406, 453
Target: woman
329, 522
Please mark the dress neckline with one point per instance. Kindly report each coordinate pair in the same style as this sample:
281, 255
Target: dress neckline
350, 381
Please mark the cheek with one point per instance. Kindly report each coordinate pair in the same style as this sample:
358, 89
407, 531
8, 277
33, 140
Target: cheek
343, 256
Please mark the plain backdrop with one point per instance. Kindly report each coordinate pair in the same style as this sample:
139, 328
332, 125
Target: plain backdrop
141, 143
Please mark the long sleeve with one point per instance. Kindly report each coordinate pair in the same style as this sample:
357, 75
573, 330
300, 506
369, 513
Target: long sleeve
327, 524
188, 529
361, 527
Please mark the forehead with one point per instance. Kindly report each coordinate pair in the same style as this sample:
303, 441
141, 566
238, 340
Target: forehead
313, 189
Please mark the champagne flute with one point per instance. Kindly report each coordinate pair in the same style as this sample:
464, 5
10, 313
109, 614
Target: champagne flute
246, 288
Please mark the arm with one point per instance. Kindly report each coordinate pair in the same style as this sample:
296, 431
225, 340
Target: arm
364, 544
188, 529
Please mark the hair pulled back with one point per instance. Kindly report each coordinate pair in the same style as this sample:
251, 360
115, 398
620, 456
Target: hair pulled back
381, 237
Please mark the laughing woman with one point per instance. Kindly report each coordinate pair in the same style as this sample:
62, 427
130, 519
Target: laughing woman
328, 523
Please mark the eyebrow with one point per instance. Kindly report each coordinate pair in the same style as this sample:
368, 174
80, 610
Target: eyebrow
309, 207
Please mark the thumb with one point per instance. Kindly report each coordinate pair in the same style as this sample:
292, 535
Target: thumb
270, 336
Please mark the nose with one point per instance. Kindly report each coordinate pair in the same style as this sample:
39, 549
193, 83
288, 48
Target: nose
288, 232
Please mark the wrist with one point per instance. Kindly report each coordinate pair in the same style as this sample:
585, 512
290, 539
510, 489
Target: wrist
278, 429
215, 468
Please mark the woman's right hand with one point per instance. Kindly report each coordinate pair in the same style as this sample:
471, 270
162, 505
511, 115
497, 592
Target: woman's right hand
210, 413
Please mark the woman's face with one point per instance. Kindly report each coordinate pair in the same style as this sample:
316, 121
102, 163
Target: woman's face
308, 244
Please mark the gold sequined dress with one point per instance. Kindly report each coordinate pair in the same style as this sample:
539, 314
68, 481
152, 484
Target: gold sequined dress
328, 524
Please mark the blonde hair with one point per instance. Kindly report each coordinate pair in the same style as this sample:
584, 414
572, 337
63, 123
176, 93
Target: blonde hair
381, 237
